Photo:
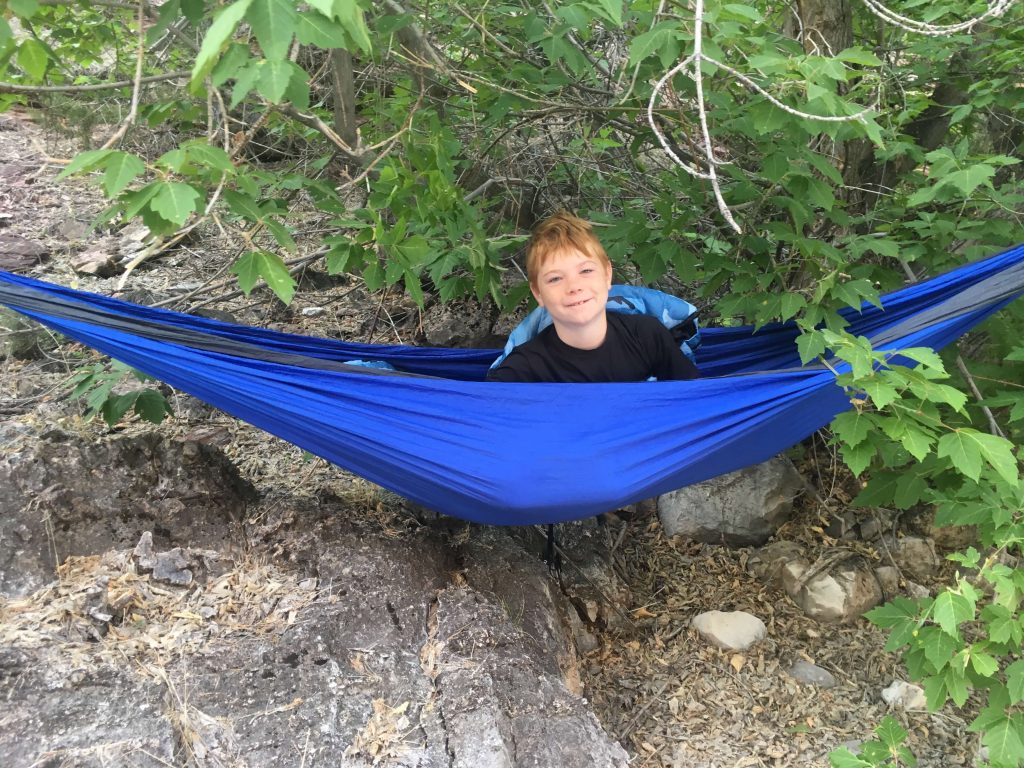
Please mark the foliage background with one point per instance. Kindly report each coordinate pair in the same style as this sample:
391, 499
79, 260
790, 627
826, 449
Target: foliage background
426, 140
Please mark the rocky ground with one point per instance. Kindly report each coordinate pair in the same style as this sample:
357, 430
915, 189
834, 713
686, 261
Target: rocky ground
238, 603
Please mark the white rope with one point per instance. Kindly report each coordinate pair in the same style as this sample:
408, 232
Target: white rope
691, 66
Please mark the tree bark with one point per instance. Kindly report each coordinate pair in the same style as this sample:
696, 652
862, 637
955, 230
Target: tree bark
343, 84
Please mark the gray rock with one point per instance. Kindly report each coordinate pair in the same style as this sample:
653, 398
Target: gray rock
733, 630
53, 715
879, 523
19, 337
55, 498
461, 324
915, 557
767, 563
812, 674
739, 509
18, 254
842, 595
917, 591
889, 580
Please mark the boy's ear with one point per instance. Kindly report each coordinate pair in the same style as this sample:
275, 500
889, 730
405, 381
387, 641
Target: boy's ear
536, 296
608, 269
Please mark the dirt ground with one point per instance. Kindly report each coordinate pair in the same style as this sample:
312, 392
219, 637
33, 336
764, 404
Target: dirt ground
670, 698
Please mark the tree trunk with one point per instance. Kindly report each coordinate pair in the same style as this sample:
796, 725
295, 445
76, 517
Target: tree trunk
344, 97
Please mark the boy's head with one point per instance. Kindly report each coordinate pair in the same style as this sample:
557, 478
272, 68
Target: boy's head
559, 234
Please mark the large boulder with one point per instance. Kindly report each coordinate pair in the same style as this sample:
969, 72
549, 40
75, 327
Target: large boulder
356, 644
65, 495
742, 508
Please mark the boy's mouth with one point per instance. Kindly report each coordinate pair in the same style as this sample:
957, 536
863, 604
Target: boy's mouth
578, 303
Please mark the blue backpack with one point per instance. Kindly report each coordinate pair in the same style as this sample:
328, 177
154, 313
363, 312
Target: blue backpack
677, 315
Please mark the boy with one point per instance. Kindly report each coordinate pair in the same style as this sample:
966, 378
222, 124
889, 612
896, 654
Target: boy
570, 275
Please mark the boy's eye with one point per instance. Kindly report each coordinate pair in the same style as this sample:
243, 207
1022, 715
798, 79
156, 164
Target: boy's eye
553, 279
587, 270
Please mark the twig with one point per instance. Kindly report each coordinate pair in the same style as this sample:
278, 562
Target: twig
137, 88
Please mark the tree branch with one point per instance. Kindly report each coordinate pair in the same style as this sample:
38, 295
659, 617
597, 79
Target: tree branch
16, 88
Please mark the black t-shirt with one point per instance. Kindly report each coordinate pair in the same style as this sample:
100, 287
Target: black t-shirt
636, 348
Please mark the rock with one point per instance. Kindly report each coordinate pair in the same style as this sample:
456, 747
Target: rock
169, 567
811, 674
460, 324
96, 263
104, 716
767, 563
878, 524
741, 508
78, 497
19, 338
902, 695
842, 595
19, 255
733, 631
915, 557
842, 525
917, 591
889, 580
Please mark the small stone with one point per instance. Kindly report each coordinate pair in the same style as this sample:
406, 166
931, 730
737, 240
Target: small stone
143, 552
172, 568
94, 263
733, 631
917, 591
812, 674
902, 695
311, 311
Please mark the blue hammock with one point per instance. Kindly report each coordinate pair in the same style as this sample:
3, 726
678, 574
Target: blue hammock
515, 454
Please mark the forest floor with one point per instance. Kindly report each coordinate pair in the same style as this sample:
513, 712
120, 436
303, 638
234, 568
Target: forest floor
670, 698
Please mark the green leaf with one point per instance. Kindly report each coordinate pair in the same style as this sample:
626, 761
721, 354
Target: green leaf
859, 457
175, 201
152, 406
610, 10
810, 345
33, 58
970, 178
243, 205
122, 168
1015, 681
984, 664
26, 9
858, 55
910, 492
1003, 740
662, 38
852, 427
271, 268
314, 29
85, 161
938, 647
743, 12
207, 155
351, 17
962, 451
273, 22
950, 610
844, 758
998, 452
890, 733
219, 33
274, 79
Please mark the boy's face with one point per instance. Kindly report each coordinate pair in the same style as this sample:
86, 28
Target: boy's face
573, 287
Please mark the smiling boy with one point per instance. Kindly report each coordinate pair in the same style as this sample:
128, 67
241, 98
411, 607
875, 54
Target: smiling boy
570, 276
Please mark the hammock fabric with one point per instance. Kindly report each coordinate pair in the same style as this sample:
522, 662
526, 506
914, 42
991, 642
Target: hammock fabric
515, 454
